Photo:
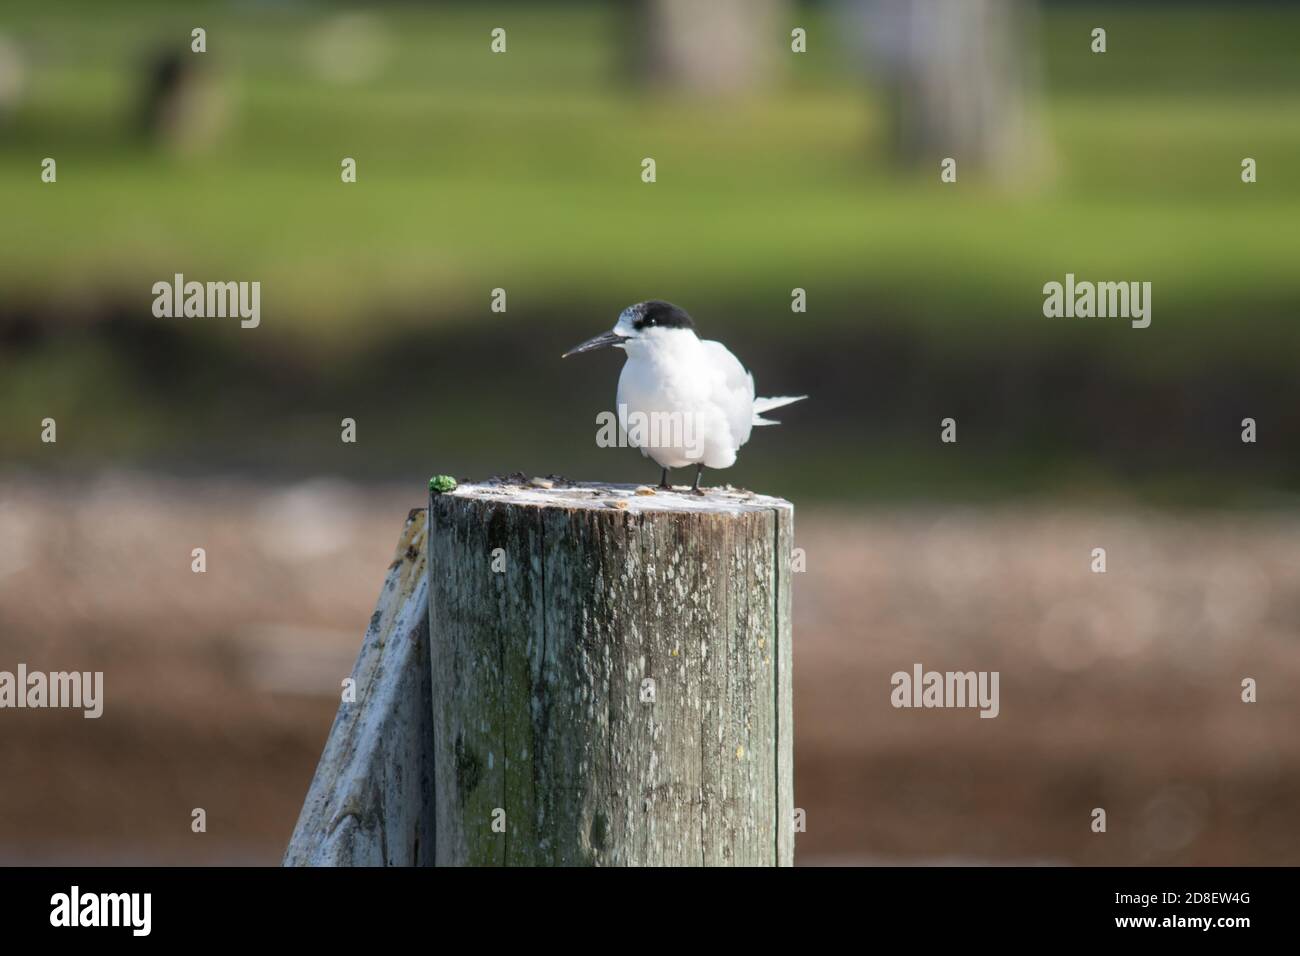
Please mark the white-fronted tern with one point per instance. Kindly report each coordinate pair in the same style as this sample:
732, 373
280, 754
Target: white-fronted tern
681, 400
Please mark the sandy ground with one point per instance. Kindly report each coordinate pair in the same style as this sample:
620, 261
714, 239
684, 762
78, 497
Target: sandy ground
1119, 690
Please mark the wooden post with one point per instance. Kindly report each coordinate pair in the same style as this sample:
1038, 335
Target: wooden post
610, 676
370, 803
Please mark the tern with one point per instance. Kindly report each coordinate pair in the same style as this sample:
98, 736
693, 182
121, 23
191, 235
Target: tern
696, 386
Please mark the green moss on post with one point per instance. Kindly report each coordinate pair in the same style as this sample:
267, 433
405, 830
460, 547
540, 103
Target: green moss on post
441, 484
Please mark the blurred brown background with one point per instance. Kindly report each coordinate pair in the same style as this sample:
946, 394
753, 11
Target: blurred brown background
1118, 690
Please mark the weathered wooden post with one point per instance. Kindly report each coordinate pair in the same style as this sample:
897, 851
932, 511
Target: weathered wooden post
568, 675
371, 800
610, 676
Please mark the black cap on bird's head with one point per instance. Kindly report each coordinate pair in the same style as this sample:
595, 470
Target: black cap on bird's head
633, 321
656, 314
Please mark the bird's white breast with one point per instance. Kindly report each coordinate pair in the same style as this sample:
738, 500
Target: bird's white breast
697, 394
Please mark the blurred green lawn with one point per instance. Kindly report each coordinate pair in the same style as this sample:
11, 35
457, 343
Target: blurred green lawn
522, 171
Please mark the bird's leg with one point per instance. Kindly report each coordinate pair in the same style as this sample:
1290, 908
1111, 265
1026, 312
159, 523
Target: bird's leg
699, 470
663, 481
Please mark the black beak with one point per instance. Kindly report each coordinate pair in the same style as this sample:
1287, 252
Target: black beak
602, 341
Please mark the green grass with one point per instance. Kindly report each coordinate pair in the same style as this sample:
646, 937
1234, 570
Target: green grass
523, 171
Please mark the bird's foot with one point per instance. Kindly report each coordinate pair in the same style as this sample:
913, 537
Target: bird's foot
697, 490
664, 486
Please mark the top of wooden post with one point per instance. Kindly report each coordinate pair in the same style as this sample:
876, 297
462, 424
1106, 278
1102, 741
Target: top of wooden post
599, 495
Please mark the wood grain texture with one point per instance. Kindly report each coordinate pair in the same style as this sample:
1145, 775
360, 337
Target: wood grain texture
370, 801
545, 750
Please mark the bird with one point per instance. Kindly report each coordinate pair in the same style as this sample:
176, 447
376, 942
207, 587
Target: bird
697, 391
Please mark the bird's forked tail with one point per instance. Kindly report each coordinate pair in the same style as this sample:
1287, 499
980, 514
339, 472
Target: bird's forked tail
762, 405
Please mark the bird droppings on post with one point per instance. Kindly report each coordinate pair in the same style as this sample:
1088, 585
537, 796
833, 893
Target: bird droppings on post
520, 489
